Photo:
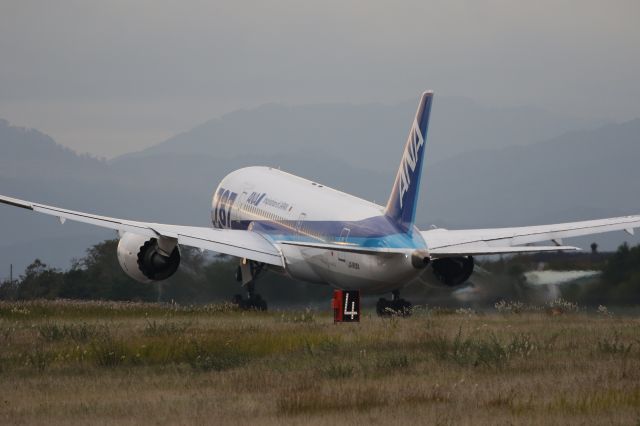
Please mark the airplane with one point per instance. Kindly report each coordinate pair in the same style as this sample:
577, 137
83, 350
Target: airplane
273, 220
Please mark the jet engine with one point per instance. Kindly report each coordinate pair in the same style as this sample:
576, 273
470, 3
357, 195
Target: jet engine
452, 271
147, 259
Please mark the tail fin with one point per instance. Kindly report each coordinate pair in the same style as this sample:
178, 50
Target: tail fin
401, 206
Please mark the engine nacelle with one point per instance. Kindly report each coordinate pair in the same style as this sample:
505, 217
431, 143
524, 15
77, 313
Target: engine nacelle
452, 271
142, 259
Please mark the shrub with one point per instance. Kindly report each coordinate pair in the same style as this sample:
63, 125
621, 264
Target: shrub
50, 332
614, 345
306, 316
153, 328
39, 358
604, 311
562, 306
509, 307
218, 359
79, 333
392, 362
485, 351
338, 371
108, 352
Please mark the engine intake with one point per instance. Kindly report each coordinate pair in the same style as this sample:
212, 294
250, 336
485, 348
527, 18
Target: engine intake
154, 265
452, 271
142, 259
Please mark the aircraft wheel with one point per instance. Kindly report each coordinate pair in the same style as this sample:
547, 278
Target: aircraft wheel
403, 308
399, 307
258, 303
382, 307
237, 300
255, 302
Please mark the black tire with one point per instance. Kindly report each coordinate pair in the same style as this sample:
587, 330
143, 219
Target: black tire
404, 308
388, 308
261, 305
237, 300
381, 307
258, 303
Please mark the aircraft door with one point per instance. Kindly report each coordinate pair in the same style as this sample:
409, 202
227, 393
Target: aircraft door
344, 234
300, 222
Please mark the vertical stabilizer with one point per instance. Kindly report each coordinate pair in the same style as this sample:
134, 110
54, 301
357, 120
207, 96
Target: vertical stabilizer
402, 203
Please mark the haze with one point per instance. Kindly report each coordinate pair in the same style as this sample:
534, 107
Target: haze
113, 77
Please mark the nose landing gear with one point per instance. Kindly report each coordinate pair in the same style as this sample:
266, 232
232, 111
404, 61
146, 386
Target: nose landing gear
247, 273
395, 306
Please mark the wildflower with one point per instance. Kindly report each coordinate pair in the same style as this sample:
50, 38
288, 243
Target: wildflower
602, 310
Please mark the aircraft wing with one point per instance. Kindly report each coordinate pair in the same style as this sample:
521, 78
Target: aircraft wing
238, 243
447, 243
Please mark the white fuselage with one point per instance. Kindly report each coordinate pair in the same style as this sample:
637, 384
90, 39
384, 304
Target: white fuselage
286, 208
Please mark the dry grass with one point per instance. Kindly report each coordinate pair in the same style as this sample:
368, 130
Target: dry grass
79, 363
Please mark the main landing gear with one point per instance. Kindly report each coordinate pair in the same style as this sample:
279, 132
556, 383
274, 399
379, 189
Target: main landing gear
395, 306
247, 273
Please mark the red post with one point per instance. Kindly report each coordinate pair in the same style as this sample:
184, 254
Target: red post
346, 306
336, 304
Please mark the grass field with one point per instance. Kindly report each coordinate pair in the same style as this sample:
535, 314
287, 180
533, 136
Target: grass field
68, 362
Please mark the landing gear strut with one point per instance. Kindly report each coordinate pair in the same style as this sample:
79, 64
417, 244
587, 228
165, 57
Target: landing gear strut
247, 273
395, 306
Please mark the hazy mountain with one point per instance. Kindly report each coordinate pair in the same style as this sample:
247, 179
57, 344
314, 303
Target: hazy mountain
578, 175
34, 167
365, 135
30, 150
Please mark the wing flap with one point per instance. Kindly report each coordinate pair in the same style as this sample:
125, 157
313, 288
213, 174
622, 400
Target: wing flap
249, 244
479, 251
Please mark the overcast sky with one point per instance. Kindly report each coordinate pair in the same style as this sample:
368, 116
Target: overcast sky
108, 77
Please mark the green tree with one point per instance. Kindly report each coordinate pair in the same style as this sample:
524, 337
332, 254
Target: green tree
99, 276
8, 290
201, 278
40, 282
619, 283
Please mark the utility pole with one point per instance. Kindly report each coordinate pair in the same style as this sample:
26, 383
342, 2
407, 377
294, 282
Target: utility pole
11, 274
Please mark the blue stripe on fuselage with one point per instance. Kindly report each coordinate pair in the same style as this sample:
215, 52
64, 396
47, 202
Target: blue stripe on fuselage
377, 231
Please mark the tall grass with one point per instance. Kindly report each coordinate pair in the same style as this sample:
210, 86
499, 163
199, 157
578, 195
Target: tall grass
486, 350
68, 363
79, 333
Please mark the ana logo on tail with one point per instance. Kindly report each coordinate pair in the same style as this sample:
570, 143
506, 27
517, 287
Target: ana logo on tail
401, 206
410, 159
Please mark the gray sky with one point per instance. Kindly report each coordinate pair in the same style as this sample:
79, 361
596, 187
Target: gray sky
108, 77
